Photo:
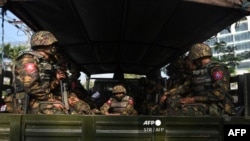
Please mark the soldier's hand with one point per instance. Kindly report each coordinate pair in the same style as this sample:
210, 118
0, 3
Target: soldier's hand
188, 100
163, 98
60, 74
72, 100
58, 104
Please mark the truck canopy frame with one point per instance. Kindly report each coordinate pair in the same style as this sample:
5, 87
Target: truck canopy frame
127, 36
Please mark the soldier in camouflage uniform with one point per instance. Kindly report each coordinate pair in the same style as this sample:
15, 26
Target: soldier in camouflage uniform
34, 68
210, 86
76, 105
171, 97
119, 103
176, 73
77, 89
41, 79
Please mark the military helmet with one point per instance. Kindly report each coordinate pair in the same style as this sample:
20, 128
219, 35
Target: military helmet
199, 50
42, 38
119, 89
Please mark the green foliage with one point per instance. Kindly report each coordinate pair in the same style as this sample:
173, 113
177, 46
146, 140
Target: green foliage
11, 52
227, 55
131, 76
244, 55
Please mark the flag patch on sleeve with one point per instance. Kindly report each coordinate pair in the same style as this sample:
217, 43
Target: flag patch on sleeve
217, 75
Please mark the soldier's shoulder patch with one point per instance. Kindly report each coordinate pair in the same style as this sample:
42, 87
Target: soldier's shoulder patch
109, 102
30, 67
131, 101
217, 75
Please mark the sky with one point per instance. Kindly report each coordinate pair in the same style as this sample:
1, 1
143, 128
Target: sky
14, 35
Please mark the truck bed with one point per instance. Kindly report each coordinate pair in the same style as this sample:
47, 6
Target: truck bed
15, 127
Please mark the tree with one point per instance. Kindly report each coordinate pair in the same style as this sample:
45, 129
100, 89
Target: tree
226, 55
132, 76
11, 52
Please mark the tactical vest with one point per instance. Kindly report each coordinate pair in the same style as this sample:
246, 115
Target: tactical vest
45, 68
202, 80
45, 71
119, 106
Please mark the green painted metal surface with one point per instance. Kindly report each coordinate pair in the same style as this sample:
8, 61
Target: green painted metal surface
10, 127
113, 128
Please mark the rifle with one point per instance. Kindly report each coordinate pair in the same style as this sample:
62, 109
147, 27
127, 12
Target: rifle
64, 93
21, 98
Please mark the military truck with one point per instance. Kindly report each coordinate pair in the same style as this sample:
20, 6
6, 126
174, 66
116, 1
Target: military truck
128, 36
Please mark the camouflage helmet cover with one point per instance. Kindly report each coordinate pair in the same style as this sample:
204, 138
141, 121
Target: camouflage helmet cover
119, 89
42, 38
199, 50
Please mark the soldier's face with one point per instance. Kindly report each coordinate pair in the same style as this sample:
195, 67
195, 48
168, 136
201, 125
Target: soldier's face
51, 49
119, 96
189, 65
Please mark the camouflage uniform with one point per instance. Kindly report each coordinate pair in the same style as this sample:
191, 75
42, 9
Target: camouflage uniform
35, 71
149, 96
210, 88
176, 73
210, 85
77, 106
182, 89
120, 103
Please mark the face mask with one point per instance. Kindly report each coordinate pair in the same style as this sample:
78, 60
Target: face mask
119, 97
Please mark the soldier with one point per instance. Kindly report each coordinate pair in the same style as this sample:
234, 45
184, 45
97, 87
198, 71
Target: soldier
78, 94
119, 103
76, 105
42, 81
210, 85
34, 69
172, 96
176, 73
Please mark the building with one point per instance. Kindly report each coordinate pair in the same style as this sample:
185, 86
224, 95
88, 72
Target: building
237, 35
